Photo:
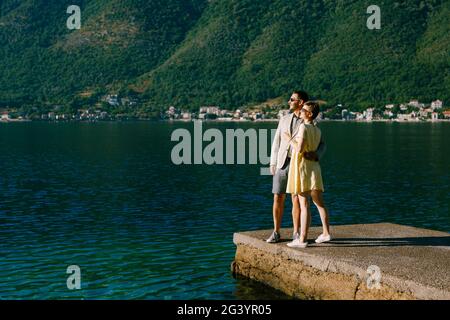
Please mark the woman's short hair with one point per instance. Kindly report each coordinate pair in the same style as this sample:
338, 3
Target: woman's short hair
315, 108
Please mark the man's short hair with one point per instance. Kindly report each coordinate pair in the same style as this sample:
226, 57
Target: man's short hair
302, 95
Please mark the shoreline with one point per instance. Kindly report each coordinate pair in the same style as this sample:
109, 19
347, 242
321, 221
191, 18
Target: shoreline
220, 121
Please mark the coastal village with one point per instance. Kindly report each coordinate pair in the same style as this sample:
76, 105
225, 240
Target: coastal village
412, 111
115, 108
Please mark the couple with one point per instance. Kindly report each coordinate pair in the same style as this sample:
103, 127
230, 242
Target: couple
294, 164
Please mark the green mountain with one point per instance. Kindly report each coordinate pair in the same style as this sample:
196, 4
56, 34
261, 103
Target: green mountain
230, 53
42, 60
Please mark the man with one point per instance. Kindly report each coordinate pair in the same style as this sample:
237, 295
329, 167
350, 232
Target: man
279, 163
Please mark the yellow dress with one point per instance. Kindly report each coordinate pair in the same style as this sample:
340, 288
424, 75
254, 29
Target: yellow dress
305, 175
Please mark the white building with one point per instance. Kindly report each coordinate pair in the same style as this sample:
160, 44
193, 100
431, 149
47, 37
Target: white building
436, 104
414, 103
368, 114
173, 113
390, 106
255, 115
214, 110
210, 110
113, 100
388, 113
359, 116
424, 113
434, 116
172, 110
5, 117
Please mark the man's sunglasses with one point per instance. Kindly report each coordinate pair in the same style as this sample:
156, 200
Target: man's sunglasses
292, 100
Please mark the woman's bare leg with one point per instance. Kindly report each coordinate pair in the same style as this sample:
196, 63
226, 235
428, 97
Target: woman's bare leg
317, 197
296, 213
304, 216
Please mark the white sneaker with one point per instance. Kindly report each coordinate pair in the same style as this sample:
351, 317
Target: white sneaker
297, 244
322, 238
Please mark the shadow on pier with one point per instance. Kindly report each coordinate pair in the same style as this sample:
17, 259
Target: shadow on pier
390, 242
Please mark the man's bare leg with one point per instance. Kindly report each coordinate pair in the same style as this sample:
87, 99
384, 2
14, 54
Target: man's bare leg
278, 208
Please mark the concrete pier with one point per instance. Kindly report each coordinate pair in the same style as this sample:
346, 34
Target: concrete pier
413, 263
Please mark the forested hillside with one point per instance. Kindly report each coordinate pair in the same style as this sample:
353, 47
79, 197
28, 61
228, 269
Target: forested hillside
229, 52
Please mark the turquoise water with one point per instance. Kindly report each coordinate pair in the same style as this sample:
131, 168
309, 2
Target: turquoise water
106, 197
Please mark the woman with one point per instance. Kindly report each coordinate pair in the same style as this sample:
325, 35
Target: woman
305, 176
